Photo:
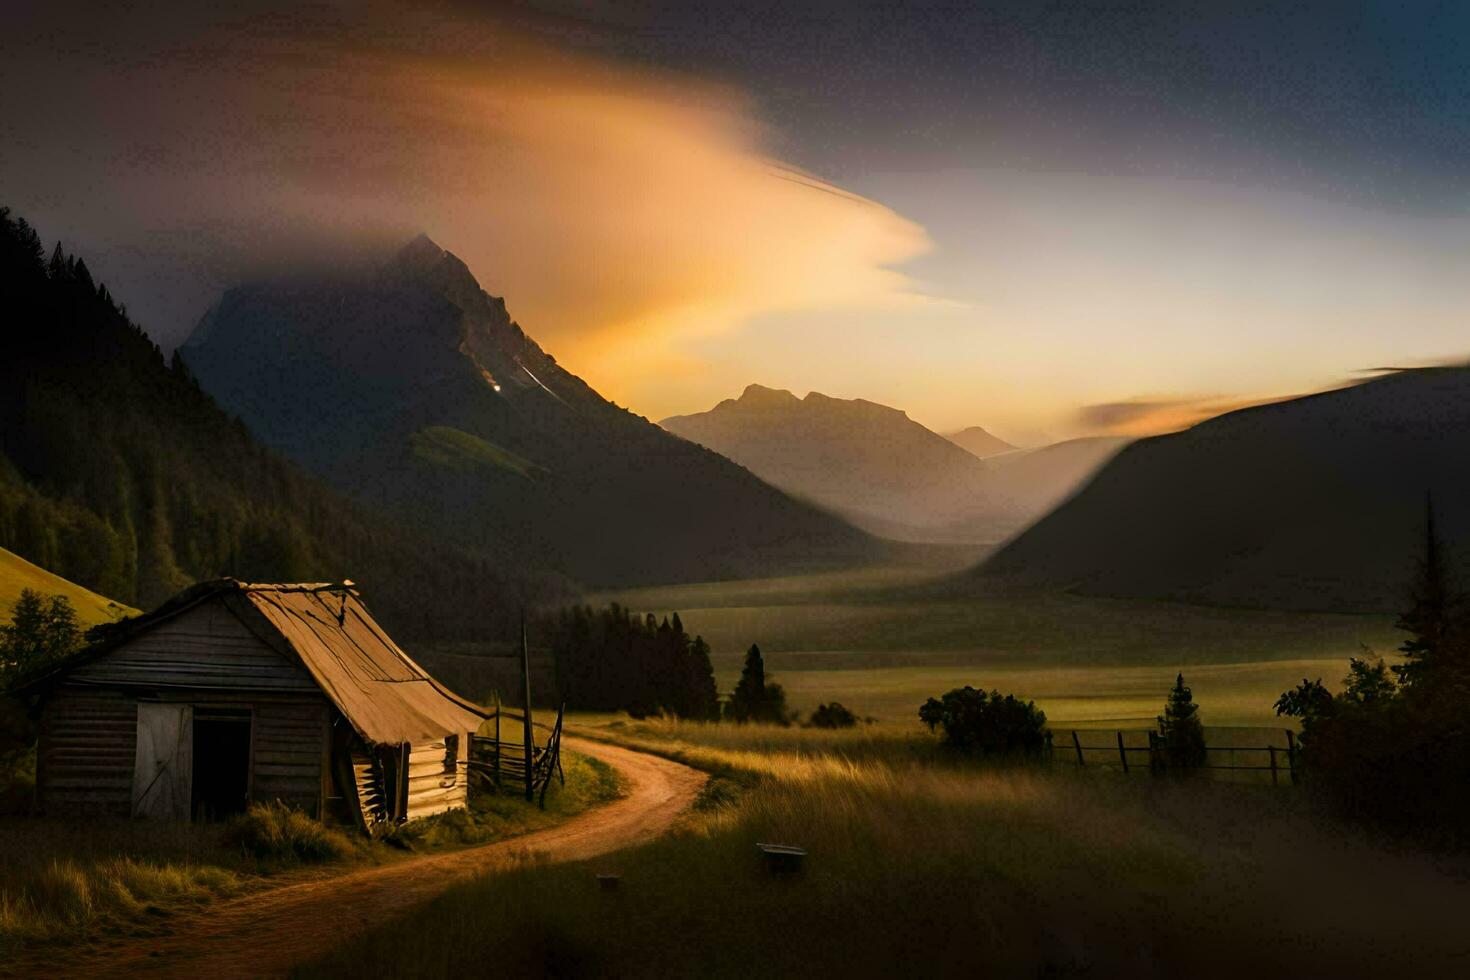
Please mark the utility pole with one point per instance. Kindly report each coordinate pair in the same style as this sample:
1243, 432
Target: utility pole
526, 704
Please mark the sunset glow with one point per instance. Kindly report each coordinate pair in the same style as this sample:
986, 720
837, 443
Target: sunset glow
668, 241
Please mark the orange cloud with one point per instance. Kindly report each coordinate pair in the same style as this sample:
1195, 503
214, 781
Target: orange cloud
1140, 417
621, 211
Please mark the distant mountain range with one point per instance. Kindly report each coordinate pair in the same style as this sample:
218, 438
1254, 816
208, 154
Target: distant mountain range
1313, 503
412, 389
886, 472
979, 443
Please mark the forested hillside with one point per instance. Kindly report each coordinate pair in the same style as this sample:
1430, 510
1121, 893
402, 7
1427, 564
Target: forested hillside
118, 473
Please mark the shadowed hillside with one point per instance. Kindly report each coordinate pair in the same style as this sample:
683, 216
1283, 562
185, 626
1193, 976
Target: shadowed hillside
119, 474
1313, 503
413, 389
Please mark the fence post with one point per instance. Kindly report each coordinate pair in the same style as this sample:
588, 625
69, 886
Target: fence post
1122, 753
497, 741
1050, 754
1273, 764
526, 721
1153, 753
1291, 754
1077, 744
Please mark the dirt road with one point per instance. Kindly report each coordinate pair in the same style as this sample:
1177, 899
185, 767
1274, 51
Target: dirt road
265, 934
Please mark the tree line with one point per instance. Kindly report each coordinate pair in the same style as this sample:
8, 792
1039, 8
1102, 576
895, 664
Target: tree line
610, 659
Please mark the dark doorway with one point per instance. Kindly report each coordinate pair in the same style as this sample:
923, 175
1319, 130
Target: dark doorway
221, 762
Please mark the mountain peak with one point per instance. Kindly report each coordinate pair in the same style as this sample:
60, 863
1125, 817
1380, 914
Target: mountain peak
979, 442
761, 395
424, 261
420, 253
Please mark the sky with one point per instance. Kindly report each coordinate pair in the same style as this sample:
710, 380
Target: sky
1048, 218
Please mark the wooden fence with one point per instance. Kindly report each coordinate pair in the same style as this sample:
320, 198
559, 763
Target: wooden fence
497, 763
1274, 757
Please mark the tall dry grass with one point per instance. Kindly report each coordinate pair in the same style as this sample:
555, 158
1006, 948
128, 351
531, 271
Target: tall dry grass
919, 865
69, 900
67, 880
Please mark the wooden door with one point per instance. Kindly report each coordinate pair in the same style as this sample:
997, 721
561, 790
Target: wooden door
164, 765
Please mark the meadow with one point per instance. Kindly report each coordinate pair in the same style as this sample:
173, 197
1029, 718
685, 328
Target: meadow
924, 863
881, 640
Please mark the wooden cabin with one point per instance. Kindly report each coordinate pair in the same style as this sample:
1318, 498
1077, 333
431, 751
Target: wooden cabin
232, 693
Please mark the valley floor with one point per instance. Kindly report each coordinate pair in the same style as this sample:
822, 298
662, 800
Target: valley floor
883, 640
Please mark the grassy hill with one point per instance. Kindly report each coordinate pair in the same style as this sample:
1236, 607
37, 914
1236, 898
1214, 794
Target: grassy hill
16, 574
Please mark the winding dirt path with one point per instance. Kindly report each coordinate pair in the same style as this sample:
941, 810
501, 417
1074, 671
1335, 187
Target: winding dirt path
267, 933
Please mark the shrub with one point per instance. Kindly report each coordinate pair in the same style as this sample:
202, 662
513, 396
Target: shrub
832, 715
276, 832
990, 724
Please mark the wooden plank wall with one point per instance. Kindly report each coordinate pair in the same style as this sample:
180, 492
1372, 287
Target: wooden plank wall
290, 752
205, 647
436, 784
87, 747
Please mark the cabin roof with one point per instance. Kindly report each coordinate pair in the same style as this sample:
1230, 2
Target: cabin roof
380, 690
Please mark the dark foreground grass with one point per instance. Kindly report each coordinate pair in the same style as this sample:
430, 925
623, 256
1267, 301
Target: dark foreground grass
920, 867
76, 880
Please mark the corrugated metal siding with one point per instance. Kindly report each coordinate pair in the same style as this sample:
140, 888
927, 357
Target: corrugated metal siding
205, 647
433, 786
289, 748
88, 740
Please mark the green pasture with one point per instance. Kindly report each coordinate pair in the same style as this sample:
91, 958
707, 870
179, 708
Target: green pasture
882, 640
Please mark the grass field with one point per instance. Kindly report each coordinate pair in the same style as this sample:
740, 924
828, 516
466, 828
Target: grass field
78, 880
881, 642
920, 863
16, 573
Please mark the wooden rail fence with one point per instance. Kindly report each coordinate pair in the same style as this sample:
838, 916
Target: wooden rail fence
497, 763
1276, 757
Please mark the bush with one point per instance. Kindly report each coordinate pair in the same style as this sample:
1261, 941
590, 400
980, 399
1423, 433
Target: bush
276, 832
832, 715
990, 724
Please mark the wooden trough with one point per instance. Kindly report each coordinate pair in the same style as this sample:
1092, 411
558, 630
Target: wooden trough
782, 859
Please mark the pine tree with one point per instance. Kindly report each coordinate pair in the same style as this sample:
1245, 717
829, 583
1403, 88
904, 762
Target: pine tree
41, 631
1180, 730
750, 690
755, 699
704, 696
1429, 621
